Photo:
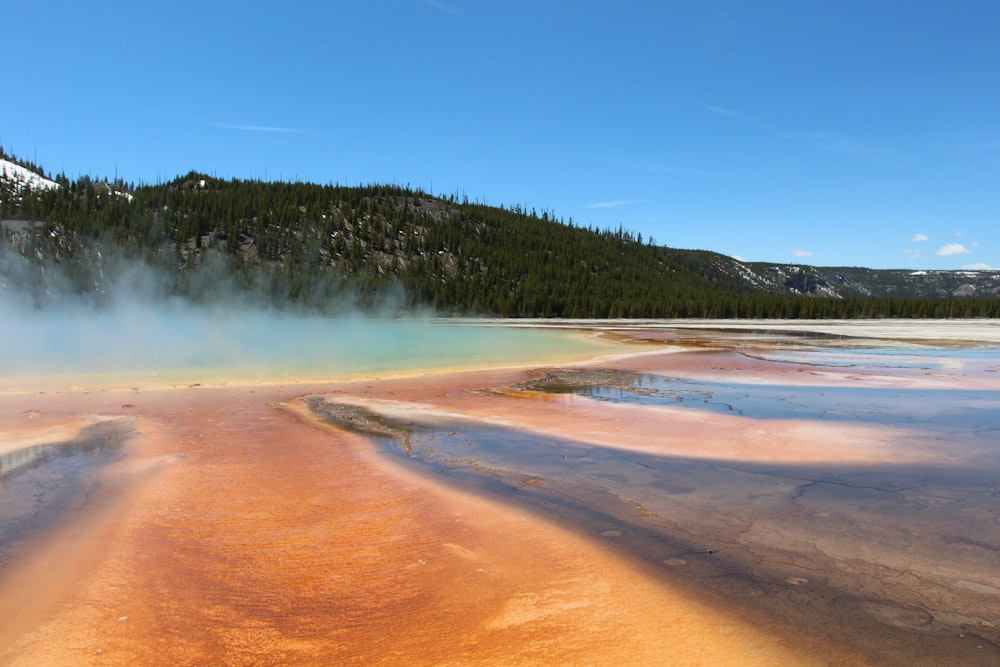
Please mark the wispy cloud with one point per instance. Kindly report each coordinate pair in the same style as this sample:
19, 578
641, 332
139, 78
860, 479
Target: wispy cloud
979, 267
950, 249
826, 141
674, 169
836, 143
263, 128
981, 145
737, 116
802, 253
921, 237
442, 7
642, 164
722, 111
613, 204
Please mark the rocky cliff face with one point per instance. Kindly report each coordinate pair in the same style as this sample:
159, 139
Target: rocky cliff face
855, 281
842, 282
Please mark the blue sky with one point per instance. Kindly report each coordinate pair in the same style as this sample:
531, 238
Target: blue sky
827, 133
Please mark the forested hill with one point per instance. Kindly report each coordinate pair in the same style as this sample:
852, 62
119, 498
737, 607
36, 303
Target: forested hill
326, 247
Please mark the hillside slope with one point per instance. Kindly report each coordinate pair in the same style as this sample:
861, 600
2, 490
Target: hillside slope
326, 247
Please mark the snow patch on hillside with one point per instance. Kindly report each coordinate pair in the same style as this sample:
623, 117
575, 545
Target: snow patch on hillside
23, 177
105, 188
745, 274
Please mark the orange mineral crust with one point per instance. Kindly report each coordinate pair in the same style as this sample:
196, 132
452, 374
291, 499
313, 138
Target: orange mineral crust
237, 530
704, 502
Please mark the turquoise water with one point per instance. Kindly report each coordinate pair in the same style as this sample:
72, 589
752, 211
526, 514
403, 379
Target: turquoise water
172, 345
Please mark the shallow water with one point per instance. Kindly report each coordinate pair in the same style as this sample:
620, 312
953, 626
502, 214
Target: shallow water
933, 409
895, 557
38, 484
904, 558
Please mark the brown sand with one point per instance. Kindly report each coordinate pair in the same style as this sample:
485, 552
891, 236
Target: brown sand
238, 531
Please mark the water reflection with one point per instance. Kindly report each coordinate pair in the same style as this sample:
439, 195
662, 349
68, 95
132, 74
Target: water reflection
22, 460
902, 558
37, 483
879, 405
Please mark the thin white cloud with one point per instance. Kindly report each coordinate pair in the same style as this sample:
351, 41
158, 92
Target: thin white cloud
987, 144
442, 7
802, 253
674, 169
263, 128
835, 143
737, 116
950, 249
642, 164
722, 111
921, 237
959, 234
914, 254
612, 204
980, 267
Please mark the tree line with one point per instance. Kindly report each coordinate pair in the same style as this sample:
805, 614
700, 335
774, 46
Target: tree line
308, 245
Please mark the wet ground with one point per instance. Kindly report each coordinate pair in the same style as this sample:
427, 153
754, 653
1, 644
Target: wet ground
890, 544
709, 498
40, 483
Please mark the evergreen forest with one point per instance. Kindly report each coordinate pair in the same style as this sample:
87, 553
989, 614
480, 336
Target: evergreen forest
326, 248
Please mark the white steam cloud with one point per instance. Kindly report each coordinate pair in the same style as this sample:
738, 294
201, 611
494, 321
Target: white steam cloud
132, 332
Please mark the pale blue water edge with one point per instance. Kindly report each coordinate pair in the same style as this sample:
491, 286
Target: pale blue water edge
167, 343
927, 355
147, 345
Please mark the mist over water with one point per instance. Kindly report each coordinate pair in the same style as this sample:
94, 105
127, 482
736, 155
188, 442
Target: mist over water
135, 330
892, 555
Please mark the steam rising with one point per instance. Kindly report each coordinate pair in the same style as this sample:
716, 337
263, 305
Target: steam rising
132, 327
